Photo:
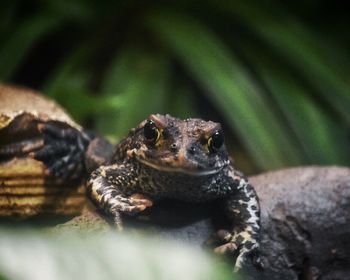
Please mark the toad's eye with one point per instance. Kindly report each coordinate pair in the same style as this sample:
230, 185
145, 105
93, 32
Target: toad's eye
216, 141
151, 132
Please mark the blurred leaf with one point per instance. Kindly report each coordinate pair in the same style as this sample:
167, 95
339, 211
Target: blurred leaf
69, 85
317, 133
229, 86
301, 49
102, 256
288, 123
81, 11
14, 49
140, 81
323, 140
75, 96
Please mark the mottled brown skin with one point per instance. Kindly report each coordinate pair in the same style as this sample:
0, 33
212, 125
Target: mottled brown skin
165, 157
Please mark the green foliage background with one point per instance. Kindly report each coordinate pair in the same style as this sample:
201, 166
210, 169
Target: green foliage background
275, 73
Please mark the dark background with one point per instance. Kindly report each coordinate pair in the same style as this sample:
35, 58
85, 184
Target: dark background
275, 73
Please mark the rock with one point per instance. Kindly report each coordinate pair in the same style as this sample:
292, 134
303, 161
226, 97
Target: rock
89, 222
305, 221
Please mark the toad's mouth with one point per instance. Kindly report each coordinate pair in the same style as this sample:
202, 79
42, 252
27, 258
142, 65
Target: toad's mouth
174, 169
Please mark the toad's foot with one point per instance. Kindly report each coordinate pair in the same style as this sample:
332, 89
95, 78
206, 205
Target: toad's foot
108, 188
131, 205
239, 243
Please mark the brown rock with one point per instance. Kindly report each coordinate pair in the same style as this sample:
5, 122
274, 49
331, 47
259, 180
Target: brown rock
89, 222
306, 222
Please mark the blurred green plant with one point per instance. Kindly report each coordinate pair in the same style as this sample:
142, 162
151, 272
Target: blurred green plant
29, 254
276, 78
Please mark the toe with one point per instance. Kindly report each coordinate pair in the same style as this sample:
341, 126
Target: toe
219, 237
223, 249
139, 199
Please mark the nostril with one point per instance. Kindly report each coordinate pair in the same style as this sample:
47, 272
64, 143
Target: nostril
192, 150
173, 147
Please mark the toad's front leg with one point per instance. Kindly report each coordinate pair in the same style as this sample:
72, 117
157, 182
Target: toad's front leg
108, 187
242, 207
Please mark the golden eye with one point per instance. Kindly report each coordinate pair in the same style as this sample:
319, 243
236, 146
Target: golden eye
151, 132
216, 141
